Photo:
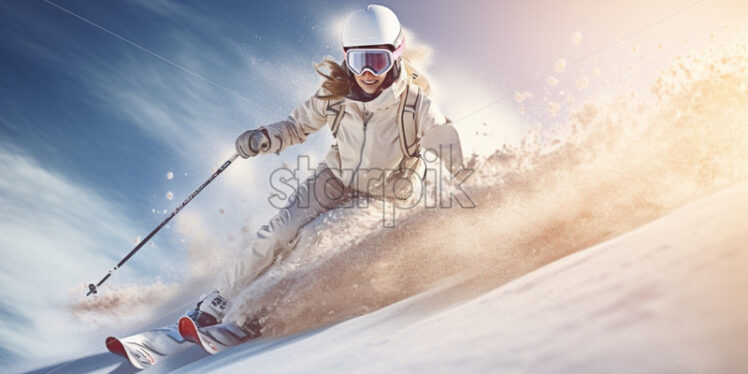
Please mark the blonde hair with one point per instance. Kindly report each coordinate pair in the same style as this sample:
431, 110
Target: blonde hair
337, 82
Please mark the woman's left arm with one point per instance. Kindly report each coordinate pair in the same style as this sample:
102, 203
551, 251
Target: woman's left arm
437, 135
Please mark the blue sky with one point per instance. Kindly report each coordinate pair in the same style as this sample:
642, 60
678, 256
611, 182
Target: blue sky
90, 125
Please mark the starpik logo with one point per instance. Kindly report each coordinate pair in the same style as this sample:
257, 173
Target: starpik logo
401, 188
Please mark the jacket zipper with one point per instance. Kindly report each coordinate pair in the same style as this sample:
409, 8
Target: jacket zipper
367, 116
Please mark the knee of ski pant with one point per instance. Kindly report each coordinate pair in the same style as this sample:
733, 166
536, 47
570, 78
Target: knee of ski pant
276, 236
321, 191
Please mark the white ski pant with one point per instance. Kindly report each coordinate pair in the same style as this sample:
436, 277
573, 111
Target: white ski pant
318, 194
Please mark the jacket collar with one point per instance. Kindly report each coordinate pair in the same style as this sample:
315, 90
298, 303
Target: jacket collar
390, 96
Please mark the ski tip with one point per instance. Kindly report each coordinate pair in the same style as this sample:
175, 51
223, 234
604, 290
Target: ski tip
115, 346
188, 330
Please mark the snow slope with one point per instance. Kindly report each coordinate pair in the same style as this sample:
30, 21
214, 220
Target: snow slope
667, 297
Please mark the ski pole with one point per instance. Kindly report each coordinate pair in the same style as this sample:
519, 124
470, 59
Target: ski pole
93, 287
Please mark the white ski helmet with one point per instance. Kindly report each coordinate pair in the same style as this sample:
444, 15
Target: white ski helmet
375, 25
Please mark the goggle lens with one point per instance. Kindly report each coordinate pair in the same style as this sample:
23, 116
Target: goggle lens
377, 62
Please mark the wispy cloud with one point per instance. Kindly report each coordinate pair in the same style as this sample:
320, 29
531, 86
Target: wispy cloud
54, 233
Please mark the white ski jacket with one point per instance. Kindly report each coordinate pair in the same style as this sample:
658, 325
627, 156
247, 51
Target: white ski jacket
367, 155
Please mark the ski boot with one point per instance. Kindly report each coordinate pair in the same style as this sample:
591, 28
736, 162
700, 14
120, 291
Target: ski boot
210, 310
252, 328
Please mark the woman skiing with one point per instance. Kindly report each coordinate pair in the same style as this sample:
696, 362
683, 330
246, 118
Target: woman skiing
380, 119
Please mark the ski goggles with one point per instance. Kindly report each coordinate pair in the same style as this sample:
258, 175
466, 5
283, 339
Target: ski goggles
376, 60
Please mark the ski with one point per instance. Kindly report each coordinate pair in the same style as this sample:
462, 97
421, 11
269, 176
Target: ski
215, 338
148, 348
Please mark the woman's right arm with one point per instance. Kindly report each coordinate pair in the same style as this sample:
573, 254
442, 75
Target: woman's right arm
307, 118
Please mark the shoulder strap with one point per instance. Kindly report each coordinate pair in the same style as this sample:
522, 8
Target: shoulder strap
417, 78
406, 121
334, 113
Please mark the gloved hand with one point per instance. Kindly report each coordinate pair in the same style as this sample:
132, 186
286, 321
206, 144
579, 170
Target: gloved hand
251, 142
